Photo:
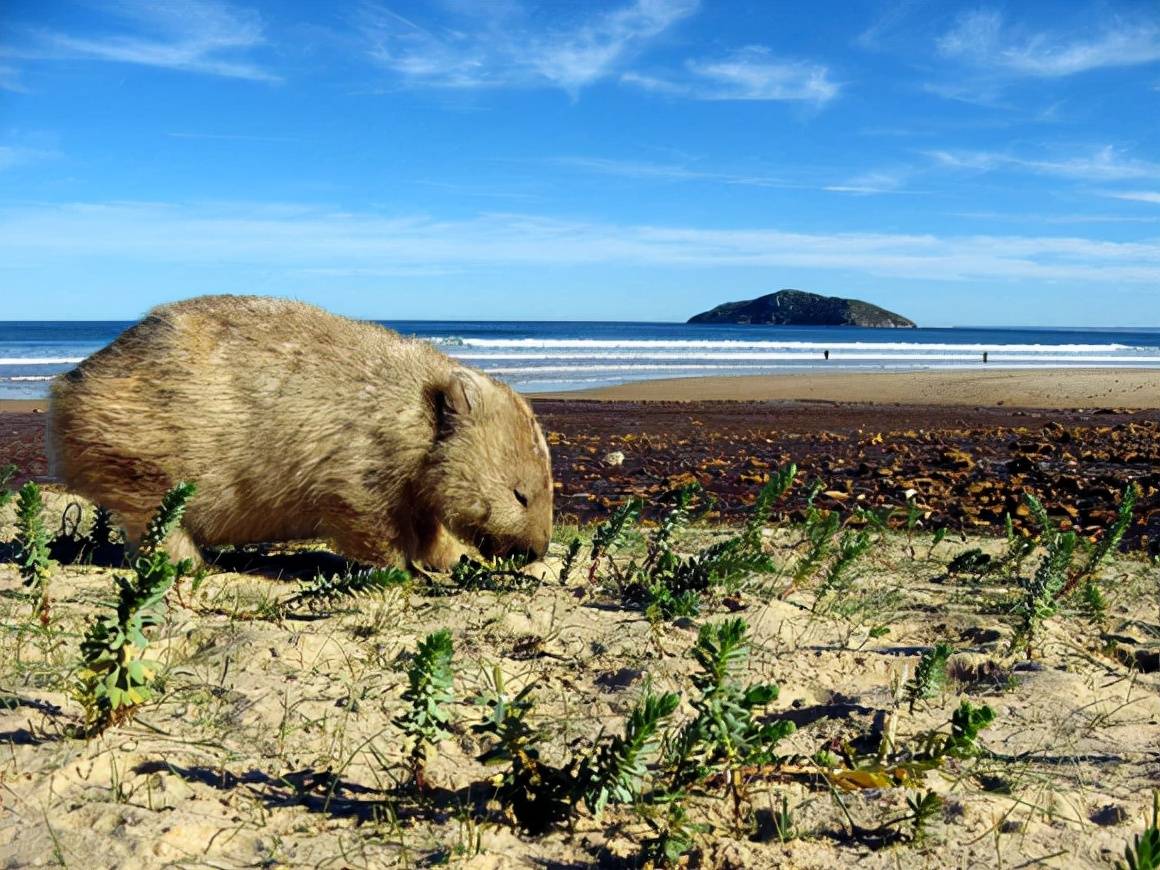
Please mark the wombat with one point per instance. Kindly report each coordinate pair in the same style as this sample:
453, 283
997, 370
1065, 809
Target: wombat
295, 423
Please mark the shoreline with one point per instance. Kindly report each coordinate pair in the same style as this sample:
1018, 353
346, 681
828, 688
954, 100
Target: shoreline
1062, 389
1042, 389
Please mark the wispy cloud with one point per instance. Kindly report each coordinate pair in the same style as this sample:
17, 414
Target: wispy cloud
575, 59
231, 137
293, 238
1104, 164
891, 19
751, 73
500, 46
10, 80
12, 156
983, 38
200, 36
1056, 219
1136, 195
878, 181
670, 172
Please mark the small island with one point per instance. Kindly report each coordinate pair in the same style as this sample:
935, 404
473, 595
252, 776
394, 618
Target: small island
799, 308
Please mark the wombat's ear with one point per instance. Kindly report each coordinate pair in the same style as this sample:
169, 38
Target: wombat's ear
454, 399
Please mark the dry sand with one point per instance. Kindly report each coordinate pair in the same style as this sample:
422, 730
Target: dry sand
272, 742
23, 406
1046, 388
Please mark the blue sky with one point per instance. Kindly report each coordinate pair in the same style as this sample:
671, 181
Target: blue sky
636, 159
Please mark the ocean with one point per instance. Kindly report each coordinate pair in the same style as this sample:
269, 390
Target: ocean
538, 356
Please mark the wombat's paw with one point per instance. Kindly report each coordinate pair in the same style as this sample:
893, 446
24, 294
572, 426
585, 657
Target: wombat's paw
445, 559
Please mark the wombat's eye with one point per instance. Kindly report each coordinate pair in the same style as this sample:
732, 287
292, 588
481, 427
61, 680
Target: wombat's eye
520, 497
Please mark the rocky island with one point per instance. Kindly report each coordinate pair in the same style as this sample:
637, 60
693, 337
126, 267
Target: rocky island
799, 308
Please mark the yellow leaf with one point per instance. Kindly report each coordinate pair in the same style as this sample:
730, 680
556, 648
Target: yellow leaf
848, 780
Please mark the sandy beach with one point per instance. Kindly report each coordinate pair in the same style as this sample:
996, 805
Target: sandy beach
1042, 388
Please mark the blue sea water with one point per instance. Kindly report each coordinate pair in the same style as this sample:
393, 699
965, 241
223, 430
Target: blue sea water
535, 356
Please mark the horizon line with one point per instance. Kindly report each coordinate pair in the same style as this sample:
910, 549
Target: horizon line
1121, 328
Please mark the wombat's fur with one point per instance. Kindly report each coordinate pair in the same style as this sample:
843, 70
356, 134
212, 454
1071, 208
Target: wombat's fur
295, 423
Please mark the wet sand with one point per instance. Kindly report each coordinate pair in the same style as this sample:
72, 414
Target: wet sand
1041, 388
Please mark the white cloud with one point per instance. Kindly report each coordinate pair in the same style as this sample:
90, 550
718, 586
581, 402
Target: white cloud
1136, 195
201, 36
982, 37
294, 238
501, 47
751, 73
1104, 164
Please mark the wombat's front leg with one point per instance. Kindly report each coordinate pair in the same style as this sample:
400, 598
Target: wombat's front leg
368, 549
441, 550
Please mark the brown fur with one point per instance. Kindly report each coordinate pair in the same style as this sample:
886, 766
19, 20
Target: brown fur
295, 423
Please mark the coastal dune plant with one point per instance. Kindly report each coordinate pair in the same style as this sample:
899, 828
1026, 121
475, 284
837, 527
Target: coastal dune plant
852, 546
674, 837
1057, 576
666, 584
503, 573
32, 548
324, 591
613, 532
426, 721
115, 677
569, 562
930, 675
725, 734
539, 795
618, 769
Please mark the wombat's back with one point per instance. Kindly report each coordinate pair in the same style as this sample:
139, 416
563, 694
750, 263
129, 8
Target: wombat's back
259, 401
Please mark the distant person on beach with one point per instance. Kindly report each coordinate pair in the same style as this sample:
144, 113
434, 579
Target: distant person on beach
985, 356
826, 354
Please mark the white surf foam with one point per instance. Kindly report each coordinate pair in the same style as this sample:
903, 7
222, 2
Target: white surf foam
687, 345
627, 370
834, 357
